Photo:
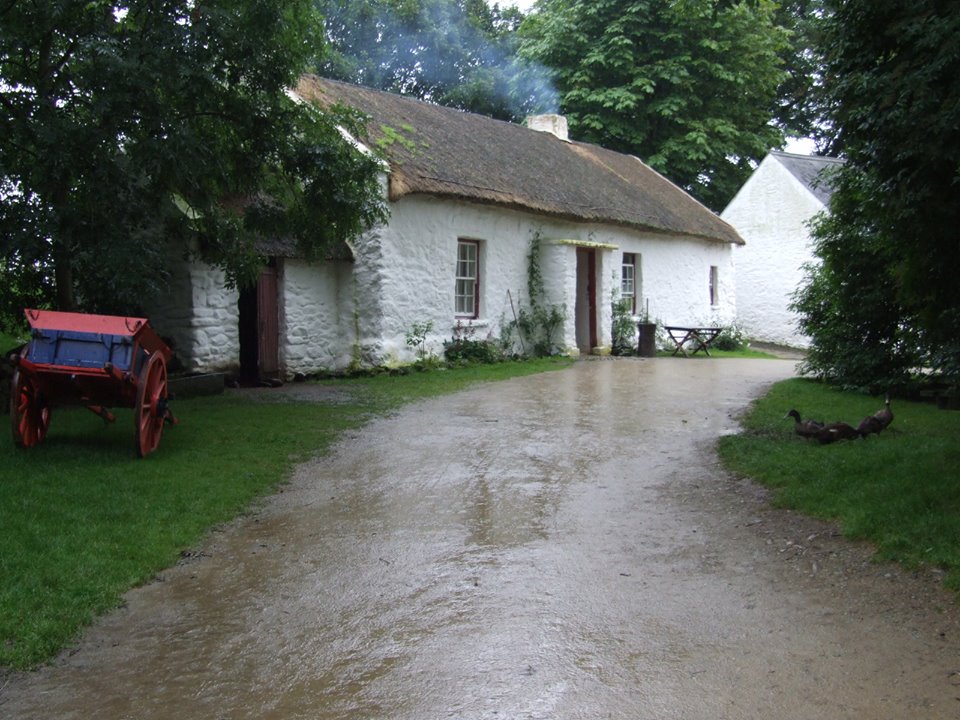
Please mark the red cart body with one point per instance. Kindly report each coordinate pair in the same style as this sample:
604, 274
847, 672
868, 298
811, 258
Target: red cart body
99, 361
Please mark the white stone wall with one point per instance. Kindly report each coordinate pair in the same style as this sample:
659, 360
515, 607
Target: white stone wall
672, 278
418, 257
416, 265
315, 332
771, 213
334, 314
200, 315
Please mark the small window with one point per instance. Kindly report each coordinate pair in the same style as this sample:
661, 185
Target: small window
467, 292
628, 280
714, 286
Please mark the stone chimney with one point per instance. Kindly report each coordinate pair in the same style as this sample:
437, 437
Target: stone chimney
552, 123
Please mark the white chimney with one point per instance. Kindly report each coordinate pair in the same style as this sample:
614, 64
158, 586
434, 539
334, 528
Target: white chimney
552, 123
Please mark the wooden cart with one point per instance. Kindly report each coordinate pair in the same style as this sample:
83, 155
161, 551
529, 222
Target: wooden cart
98, 361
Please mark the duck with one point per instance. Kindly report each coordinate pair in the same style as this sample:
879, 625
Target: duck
804, 428
869, 425
878, 421
836, 431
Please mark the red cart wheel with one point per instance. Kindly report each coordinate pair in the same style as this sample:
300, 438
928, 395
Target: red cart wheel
29, 412
150, 411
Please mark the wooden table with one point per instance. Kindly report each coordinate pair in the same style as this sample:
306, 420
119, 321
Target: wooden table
701, 337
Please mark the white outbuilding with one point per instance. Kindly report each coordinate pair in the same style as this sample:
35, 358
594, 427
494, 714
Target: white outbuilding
468, 197
772, 212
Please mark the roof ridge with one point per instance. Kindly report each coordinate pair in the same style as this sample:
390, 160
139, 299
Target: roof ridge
446, 152
802, 156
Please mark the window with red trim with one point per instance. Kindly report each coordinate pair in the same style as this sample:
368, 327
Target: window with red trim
467, 292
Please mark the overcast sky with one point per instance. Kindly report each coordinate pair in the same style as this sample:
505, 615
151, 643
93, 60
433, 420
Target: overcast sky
524, 5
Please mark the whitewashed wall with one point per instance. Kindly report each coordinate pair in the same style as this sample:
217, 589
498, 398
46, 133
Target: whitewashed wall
418, 258
770, 212
316, 334
200, 315
674, 275
333, 314
414, 278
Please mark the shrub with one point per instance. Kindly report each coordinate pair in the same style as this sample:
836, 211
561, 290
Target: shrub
731, 338
464, 349
624, 328
416, 339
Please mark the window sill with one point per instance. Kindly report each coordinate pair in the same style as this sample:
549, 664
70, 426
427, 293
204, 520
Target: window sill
471, 323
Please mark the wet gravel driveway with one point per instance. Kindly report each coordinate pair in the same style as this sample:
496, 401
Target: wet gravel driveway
556, 546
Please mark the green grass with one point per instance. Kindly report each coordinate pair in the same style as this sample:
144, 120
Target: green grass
8, 341
744, 353
83, 520
899, 490
718, 354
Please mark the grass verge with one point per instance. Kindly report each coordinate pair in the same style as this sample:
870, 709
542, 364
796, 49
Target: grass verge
718, 354
899, 490
83, 520
9, 342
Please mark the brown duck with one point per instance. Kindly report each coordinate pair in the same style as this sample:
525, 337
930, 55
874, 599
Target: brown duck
804, 428
878, 421
836, 431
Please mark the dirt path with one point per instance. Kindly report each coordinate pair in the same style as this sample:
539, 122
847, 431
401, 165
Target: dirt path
558, 546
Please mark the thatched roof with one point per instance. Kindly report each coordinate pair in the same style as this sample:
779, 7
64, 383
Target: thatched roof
812, 171
444, 152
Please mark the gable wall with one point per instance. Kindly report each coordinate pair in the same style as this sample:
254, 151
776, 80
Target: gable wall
770, 212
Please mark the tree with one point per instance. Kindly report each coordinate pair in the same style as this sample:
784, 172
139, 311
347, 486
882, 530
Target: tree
894, 82
130, 130
802, 108
458, 53
690, 86
863, 336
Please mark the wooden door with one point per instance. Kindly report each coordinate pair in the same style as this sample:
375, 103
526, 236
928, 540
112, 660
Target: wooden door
586, 300
268, 324
592, 296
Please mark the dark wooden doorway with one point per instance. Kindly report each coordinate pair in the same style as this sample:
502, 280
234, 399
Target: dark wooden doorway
260, 329
586, 306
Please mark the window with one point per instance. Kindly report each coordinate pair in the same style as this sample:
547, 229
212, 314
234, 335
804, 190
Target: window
714, 286
467, 292
628, 280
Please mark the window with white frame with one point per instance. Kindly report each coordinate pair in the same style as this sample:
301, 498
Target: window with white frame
714, 286
467, 292
628, 280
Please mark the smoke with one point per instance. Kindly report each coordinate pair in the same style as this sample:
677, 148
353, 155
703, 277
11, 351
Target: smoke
435, 51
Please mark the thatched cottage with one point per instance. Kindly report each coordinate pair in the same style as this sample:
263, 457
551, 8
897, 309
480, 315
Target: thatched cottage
467, 194
772, 212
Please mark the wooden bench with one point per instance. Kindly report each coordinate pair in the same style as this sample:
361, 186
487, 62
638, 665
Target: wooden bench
700, 337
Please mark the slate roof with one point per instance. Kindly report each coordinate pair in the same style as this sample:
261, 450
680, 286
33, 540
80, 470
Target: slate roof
810, 170
448, 153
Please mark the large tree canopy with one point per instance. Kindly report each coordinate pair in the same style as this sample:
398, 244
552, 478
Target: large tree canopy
458, 53
127, 126
891, 247
690, 86
803, 110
